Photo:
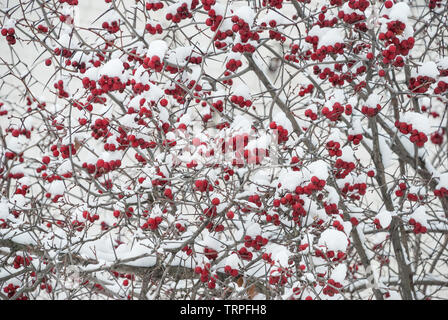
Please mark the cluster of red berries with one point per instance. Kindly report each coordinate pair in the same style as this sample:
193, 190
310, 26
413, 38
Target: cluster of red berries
233, 65
403, 127
401, 189
294, 50
23, 190
278, 277
153, 63
60, 87
281, 132
355, 19
205, 275
276, 35
207, 4
442, 86
182, 12
101, 167
334, 78
316, 184
211, 254
214, 21
325, 23
275, 219
417, 137
66, 53
42, 29
310, 114
11, 290
414, 197
295, 161
187, 250
256, 243
272, 3
83, 106
441, 193
245, 254
78, 225
418, 228
134, 142
128, 212
113, 27
437, 137
332, 288
218, 105
420, 84
154, 6
378, 225
192, 164
255, 199
343, 168
334, 148
210, 212
16, 132
314, 40
69, 2
321, 53
152, 223
64, 150
337, 110
10, 35
21, 261
337, 2
11, 155
434, 4
203, 185
371, 112
194, 60
220, 36
88, 84
330, 254
153, 30
304, 90
239, 47
355, 138
180, 228
17, 175
128, 277
360, 5
390, 54
92, 218
394, 28
243, 28
100, 128
395, 46
331, 208
111, 84
268, 258
229, 270
168, 193
294, 202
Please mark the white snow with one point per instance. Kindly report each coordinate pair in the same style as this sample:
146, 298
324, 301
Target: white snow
400, 11
334, 240
157, 48
385, 218
428, 69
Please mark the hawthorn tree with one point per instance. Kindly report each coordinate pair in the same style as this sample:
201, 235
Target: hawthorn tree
188, 149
